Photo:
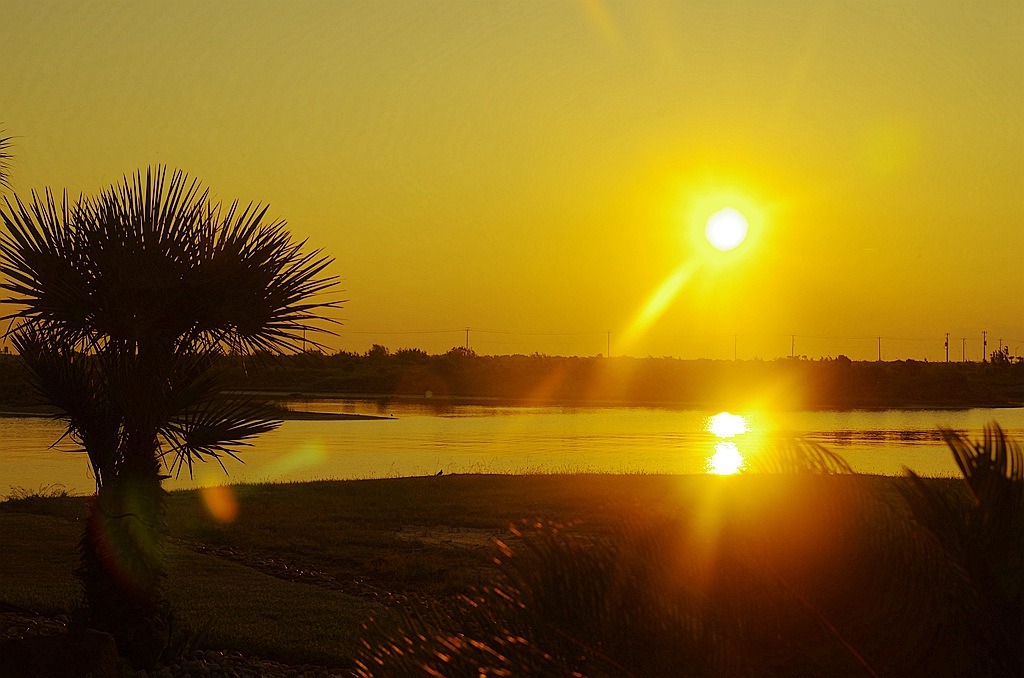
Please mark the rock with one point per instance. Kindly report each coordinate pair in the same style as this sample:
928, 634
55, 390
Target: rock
65, 655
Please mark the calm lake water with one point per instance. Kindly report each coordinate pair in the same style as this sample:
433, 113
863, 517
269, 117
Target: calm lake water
420, 440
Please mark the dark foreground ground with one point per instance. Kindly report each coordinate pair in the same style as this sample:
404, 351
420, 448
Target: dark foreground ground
794, 574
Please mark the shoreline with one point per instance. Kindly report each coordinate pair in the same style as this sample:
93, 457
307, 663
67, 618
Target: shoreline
284, 415
525, 402
59, 492
301, 415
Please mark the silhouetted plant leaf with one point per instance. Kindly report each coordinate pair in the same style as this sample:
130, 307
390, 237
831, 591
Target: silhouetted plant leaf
982, 534
217, 427
796, 455
5, 159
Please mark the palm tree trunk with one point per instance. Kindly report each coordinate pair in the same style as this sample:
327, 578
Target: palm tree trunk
122, 560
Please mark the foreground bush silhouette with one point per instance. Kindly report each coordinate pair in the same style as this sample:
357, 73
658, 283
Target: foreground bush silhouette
121, 305
806, 571
980, 534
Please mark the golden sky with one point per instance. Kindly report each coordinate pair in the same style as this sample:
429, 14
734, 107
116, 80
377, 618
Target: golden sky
539, 170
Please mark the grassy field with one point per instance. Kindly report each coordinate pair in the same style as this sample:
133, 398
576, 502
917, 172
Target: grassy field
821, 563
299, 569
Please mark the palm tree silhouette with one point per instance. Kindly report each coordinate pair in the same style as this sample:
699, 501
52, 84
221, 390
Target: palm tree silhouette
122, 304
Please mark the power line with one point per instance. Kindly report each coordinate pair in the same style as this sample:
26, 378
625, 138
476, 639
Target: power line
543, 334
713, 343
391, 332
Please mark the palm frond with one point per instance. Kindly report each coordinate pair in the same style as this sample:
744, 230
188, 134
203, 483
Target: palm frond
141, 240
217, 428
988, 465
5, 160
152, 260
797, 455
73, 382
40, 258
273, 301
982, 533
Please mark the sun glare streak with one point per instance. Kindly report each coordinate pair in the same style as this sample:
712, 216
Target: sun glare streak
601, 19
657, 303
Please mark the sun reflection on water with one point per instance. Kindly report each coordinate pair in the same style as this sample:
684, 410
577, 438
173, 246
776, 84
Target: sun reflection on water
727, 458
727, 425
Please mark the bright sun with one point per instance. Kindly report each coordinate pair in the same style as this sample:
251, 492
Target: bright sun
726, 229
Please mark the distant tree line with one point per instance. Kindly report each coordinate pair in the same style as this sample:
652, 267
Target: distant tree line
461, 375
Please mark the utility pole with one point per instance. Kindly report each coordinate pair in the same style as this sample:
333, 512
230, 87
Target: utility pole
879, 349
984, 347
947, 347
963, 349
608, 353
467, 339
792, 345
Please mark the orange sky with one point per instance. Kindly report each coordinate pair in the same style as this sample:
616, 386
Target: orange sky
538, 171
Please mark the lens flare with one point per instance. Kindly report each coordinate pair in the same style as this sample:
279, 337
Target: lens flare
220, 502
305, 457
